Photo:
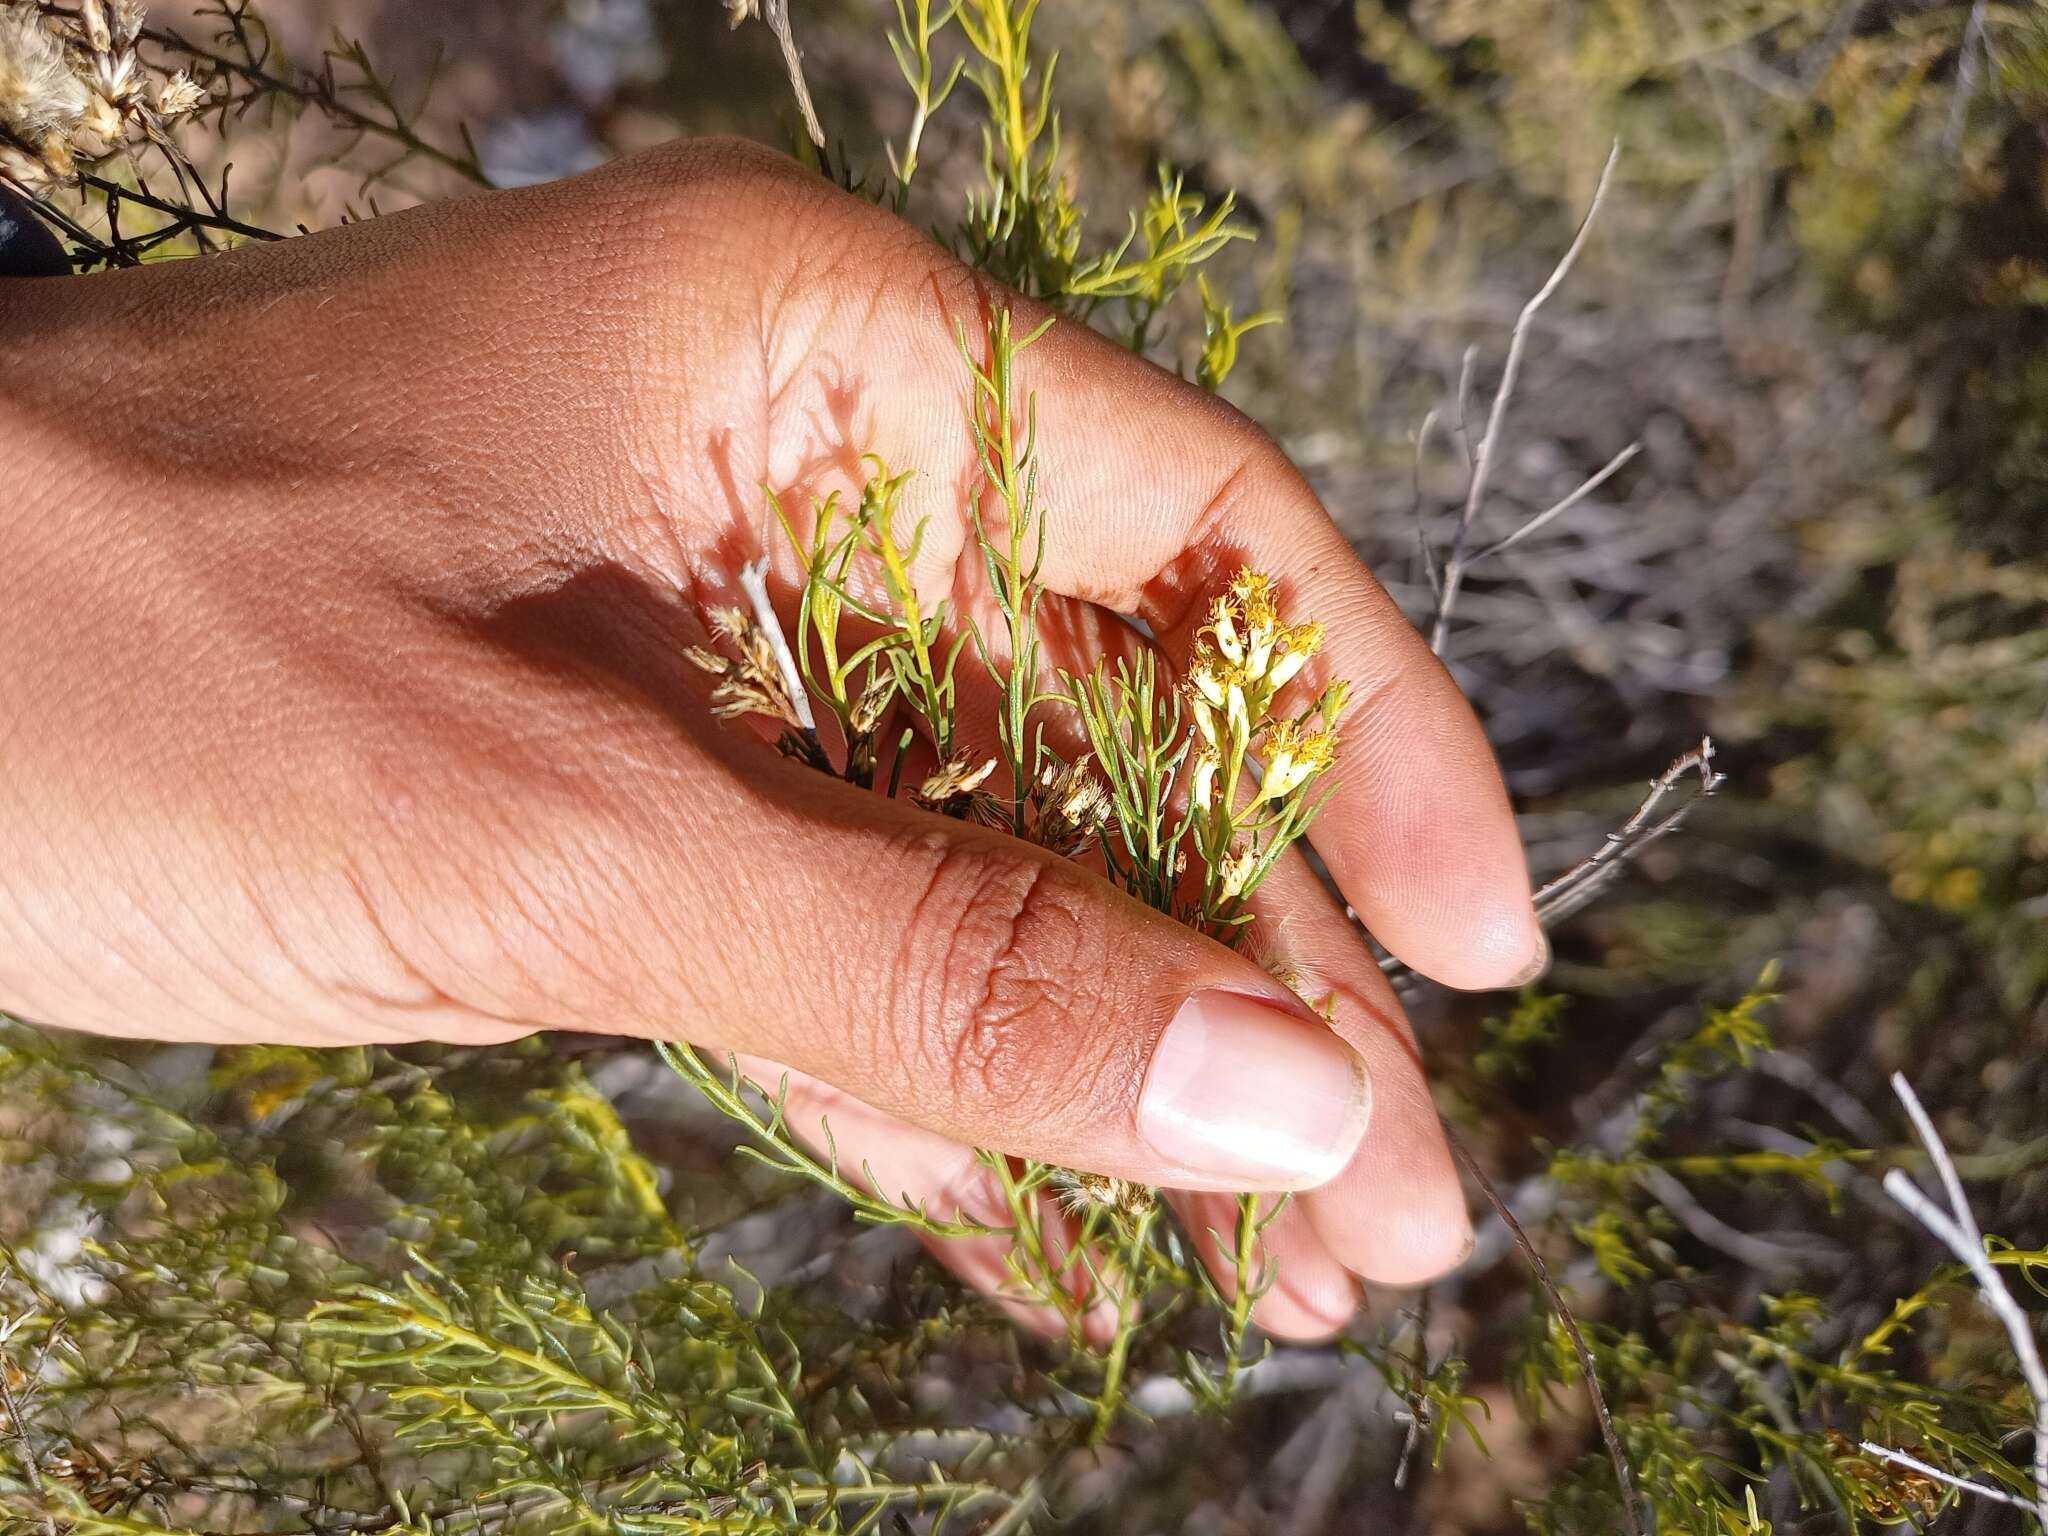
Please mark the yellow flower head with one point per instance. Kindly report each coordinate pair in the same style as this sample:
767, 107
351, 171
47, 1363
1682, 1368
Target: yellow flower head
1223, 630
1292, 648
1293, 757
1253, 594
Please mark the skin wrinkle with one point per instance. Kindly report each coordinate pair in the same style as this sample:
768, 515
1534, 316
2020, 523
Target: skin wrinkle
1023, 1000
427, 994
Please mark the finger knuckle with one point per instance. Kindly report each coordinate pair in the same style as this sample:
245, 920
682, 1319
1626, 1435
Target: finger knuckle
1004, 972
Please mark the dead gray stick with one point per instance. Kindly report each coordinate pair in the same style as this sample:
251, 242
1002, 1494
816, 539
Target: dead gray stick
1559, 898
1568, 892
1974, 52
1958, 1230
1415, 510
1496, 413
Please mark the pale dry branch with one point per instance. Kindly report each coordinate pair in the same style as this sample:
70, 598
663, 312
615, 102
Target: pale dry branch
1457, 562
1974, 54
1784, 1256
754, 582
1557, 509
1961, 1484
1959, 1233
1436, 585
1578, 886
776, 14
1559, 898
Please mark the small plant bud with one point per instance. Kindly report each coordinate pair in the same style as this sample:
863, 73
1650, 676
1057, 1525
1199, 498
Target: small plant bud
1236, 872
1333, 702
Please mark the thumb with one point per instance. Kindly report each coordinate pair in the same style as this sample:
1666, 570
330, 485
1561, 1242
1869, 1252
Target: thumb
999, 995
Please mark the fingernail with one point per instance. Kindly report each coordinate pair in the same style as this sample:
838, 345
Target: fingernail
1241, 1094
1536, 966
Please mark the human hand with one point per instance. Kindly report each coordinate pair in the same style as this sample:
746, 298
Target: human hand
345, 701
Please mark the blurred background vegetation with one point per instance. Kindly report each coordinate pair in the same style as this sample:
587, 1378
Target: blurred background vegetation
1818, 297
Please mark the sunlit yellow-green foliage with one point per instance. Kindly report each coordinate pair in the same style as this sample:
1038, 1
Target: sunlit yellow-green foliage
390, 1319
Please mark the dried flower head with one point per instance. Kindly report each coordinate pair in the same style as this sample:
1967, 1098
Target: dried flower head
179, 95
113, 68
866, 715
1073, 807
1079, 1193
950, 788
42, 102
750, 683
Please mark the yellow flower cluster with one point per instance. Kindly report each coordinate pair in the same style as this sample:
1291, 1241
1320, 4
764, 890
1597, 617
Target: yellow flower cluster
1243, 657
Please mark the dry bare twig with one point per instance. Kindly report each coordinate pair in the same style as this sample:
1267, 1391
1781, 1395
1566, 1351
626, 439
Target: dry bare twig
1558, 898
1959, 1233
1458, 561
1588, 1369
754, 582
776, 14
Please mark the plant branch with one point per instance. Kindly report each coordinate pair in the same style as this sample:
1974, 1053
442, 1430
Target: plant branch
324, 91
1587, 1367
188, 217
1558, 898
1961, 1484
754, 582
1457, 562
1958, 1230
1586, 488
1578, 886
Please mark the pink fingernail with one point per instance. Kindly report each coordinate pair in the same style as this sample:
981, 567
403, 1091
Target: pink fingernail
1244, 1095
